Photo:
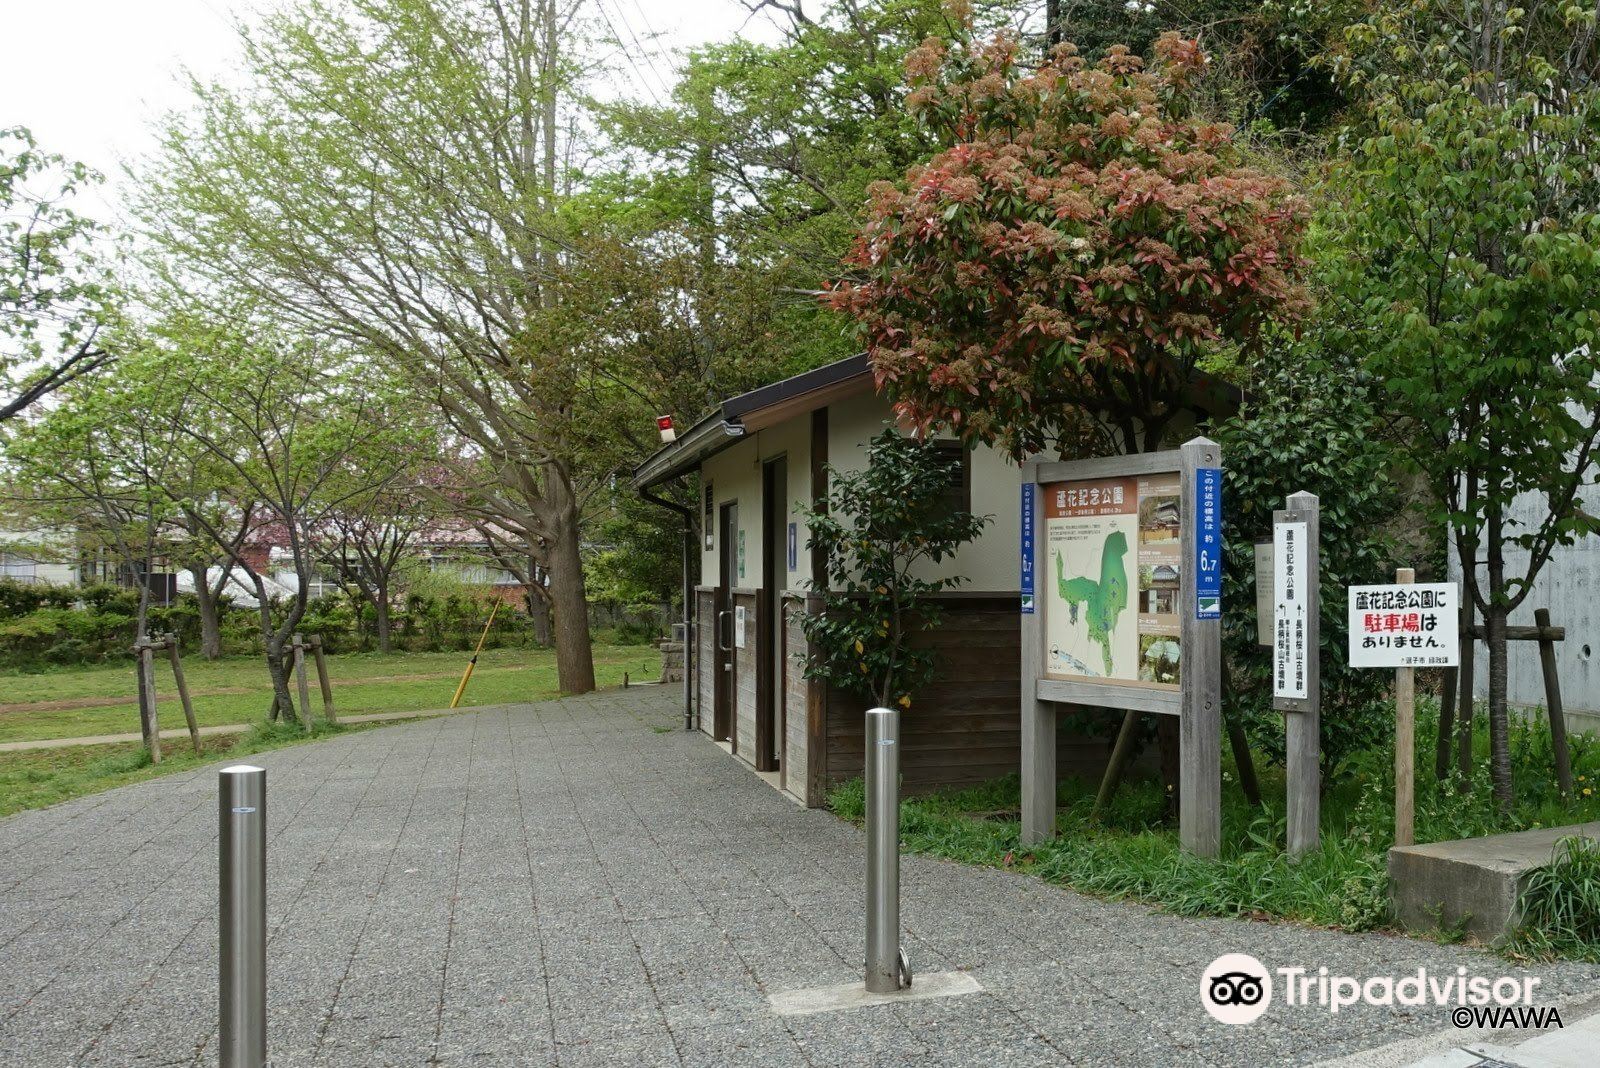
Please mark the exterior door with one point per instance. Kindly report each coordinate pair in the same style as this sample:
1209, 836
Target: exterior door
774, 580
727, 578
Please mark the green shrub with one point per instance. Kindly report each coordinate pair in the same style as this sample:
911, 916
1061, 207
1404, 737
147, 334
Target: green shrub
1309, 424
20, 598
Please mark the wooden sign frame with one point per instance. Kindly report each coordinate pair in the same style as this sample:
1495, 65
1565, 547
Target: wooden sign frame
1197, 700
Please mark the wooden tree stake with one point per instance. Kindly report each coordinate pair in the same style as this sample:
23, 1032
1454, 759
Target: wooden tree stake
183, 691
299, 647
1552, 702
147, 693
322, 679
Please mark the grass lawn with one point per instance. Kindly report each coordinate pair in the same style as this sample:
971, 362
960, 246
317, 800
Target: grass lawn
35, 778
235, 691
77, 702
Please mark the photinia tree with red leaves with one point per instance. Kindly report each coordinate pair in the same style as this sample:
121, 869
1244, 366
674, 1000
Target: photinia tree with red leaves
1080, 242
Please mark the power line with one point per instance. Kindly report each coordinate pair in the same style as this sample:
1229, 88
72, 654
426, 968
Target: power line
633, 59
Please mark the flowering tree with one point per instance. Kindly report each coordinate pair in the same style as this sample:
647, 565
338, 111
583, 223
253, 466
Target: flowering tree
1079, 242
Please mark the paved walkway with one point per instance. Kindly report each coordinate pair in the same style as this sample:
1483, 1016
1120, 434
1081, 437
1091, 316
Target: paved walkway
580, 882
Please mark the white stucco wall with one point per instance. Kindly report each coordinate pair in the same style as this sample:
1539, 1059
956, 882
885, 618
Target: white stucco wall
735, 475
990, 562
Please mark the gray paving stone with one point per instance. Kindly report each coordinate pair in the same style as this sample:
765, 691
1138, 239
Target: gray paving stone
561, 884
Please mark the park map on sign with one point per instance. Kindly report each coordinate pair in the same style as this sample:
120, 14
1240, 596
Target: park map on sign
1112, 577
1102, 599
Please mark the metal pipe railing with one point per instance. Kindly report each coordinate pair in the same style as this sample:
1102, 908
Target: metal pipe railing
242, 900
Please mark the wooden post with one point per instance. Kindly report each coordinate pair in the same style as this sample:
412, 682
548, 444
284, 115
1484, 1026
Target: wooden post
1200, 643
1447, 723
147, 694
299, 646
183, 691
1303, 716
1405, 730
1552, 702
323, 681
1038, 717
1121, 751
1466, 685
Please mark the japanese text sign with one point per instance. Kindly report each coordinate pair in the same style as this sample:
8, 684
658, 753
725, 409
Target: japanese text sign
1413, 625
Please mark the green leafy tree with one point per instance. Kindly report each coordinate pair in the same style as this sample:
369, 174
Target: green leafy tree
1080, 241
881, 525
1309, 422
55, 291
97, 467
1461, 245
390, 174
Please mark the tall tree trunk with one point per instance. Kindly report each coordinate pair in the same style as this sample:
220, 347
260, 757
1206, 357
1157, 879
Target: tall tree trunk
1499, 718
570, 607
282, 703
539, 614
210, 614
380, 611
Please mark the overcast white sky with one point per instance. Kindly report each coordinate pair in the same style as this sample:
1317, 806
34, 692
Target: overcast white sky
88, 76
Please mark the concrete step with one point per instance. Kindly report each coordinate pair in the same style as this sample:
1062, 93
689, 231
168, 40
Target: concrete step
1475, 880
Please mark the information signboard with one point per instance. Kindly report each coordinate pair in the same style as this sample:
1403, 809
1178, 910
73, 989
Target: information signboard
1111, 570
1113, 616
1412, 625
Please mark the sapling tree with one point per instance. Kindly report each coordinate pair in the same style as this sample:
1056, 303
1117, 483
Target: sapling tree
285, 418
881, 525
98, 465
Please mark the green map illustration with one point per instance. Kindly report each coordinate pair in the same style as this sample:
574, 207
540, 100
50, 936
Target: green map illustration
1103, 599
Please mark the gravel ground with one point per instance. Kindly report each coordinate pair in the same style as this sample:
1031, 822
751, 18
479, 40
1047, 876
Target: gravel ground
581, 882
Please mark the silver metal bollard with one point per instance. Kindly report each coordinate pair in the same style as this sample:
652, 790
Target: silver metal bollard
887, 970
242, 886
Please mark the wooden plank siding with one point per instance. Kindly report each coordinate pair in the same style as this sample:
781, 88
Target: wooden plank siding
965, 728
705, 637
746, 676
796, 696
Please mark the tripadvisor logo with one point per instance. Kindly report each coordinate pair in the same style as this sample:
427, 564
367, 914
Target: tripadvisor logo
1236, 988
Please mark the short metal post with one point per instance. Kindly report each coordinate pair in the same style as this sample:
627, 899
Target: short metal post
886, 967
242, 899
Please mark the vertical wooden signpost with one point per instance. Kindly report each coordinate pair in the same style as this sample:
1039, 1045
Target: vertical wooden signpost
1296, 660
1121, 572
